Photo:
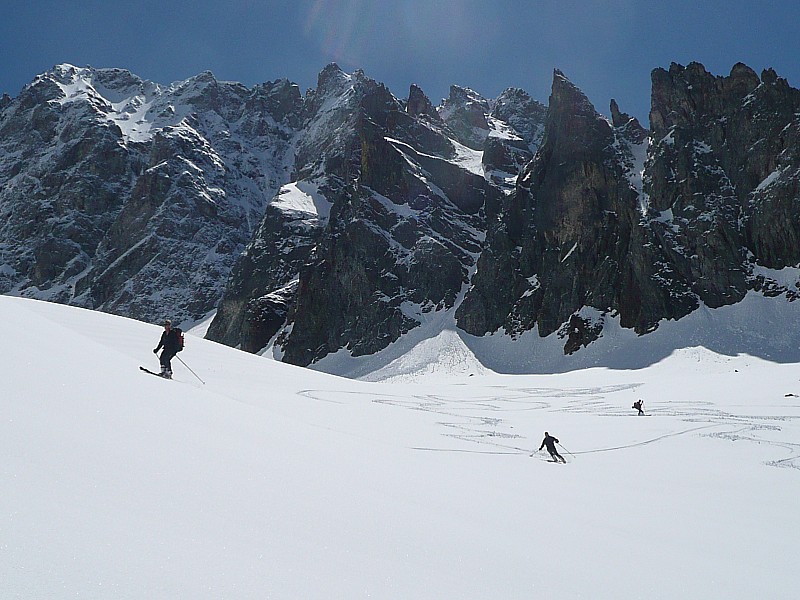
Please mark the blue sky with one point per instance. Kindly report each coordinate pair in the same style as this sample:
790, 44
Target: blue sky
607, 48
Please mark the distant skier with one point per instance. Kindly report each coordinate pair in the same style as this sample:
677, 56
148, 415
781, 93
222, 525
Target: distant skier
638, 406
172, 342
551, 442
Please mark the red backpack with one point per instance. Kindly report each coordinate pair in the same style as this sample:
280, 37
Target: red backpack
179, 332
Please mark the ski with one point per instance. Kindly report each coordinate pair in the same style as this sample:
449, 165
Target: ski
547, 459
152, 372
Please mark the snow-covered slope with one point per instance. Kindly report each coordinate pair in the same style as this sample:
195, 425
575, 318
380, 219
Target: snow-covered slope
271, 481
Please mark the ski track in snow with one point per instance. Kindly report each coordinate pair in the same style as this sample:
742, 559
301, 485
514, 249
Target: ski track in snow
472, 419
275, 481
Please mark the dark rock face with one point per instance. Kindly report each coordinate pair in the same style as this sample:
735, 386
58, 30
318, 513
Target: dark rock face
419, 104
263, 282
593, 230
400, 234
141, 200
345, 219
724, 163
60, 187
628, 127
399, 240
124, 196
563, 239
773, 227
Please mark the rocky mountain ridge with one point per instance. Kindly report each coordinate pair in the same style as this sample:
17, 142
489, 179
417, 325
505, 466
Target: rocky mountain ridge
122, 195
339, 222
583, 231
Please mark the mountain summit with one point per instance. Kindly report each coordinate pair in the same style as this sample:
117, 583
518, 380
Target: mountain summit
325, 227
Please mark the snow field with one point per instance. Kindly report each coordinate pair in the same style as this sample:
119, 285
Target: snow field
271, 481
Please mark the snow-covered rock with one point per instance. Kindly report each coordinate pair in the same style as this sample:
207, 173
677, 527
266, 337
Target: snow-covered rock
135, 198
645, 226
346, 220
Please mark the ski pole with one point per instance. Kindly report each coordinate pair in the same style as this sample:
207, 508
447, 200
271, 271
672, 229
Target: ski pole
190, 369
565, 450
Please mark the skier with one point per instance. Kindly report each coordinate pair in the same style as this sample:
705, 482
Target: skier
551, 442
171, 342
638, 406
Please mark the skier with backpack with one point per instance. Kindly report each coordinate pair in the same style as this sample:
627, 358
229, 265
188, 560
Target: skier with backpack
172, 343
638, 406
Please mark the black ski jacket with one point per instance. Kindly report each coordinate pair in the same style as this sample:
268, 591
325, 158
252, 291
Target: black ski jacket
550, 442
170, 342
